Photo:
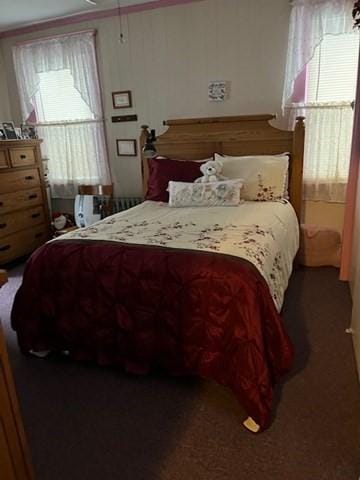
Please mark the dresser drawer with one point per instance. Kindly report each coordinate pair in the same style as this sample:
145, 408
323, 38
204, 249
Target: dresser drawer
20, 200
13, 181
21, 220
21, 243
3, 159
22, 156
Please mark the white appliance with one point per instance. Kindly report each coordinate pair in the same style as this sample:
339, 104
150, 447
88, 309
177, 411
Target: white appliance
87, 210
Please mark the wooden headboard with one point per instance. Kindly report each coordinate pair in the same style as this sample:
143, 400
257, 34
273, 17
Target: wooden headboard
197, 138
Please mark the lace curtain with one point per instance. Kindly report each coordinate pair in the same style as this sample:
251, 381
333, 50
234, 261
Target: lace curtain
76, 148
328, 124
327, 149
310, 21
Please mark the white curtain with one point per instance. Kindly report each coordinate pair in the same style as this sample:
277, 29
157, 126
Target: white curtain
327, 150
310, 21
328, 125
76, 150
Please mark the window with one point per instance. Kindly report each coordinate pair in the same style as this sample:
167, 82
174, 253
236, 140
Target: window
332, 72
58, 82
58, 100
330, 89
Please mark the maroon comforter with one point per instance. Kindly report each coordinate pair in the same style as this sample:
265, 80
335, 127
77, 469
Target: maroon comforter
138, 307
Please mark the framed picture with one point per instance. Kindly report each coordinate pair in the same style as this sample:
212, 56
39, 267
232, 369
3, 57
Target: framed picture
9, 129
218, 90
28, 131
2, 134
126, 148
122, 99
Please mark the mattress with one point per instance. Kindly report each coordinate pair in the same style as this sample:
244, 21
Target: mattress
264, 233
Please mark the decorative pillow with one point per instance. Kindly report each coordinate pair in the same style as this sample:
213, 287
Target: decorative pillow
162, 170
264, 176
225, 193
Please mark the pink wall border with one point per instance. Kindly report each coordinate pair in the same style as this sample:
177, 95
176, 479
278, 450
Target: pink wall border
95, 15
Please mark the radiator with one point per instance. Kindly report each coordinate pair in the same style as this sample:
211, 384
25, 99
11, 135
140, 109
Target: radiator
124, 203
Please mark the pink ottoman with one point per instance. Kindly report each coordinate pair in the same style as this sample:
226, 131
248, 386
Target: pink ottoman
319, 246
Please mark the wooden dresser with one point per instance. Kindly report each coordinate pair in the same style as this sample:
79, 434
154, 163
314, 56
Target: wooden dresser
15, 462
24, 213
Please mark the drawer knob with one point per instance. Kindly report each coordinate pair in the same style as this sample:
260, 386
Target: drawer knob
34, 215
23, 157
29, 177
3, 225
4, 248
1, 204
38, 235
33, 195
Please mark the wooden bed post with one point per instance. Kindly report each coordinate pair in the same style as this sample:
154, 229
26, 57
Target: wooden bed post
144, 163
296, 182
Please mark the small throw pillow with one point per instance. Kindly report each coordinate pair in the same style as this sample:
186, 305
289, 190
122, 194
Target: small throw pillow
264, 176
225, 193
162, 170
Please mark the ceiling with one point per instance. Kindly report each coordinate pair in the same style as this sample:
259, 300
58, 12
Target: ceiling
19, 13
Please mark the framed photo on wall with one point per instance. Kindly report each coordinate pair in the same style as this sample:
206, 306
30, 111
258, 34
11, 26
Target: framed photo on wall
126, 148
9, 129
218, 90
122, 99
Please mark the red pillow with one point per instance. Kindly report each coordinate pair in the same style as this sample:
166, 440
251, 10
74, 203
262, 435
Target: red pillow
162, 170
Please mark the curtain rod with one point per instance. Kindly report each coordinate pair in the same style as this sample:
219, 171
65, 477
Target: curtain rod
66, 123
53, 37
321, 105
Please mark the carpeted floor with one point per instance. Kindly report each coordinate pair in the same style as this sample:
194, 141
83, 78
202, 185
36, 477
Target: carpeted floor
88, 423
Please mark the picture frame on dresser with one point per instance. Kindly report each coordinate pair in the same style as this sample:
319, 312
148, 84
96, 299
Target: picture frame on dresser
9, 129
28, 131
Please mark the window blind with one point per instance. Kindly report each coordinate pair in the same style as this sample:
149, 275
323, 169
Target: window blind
57, 100
332, 72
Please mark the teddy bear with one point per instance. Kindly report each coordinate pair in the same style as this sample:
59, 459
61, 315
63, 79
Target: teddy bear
211, 171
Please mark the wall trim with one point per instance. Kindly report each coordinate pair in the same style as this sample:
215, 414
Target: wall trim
94, 15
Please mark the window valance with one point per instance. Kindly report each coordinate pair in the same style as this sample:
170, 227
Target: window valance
310, 21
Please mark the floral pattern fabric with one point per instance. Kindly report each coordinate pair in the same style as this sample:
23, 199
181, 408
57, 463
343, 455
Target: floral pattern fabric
266, 234
264, 177
222, 193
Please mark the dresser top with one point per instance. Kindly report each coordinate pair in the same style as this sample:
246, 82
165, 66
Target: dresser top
20, 143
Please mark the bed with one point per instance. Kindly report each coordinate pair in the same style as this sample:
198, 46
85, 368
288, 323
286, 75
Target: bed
192, 290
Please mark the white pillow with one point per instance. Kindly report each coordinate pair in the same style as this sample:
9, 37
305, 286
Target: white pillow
225, 193
264, 176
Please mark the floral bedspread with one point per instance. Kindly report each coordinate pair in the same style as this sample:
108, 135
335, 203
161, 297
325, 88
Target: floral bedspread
173, 288
264, 233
